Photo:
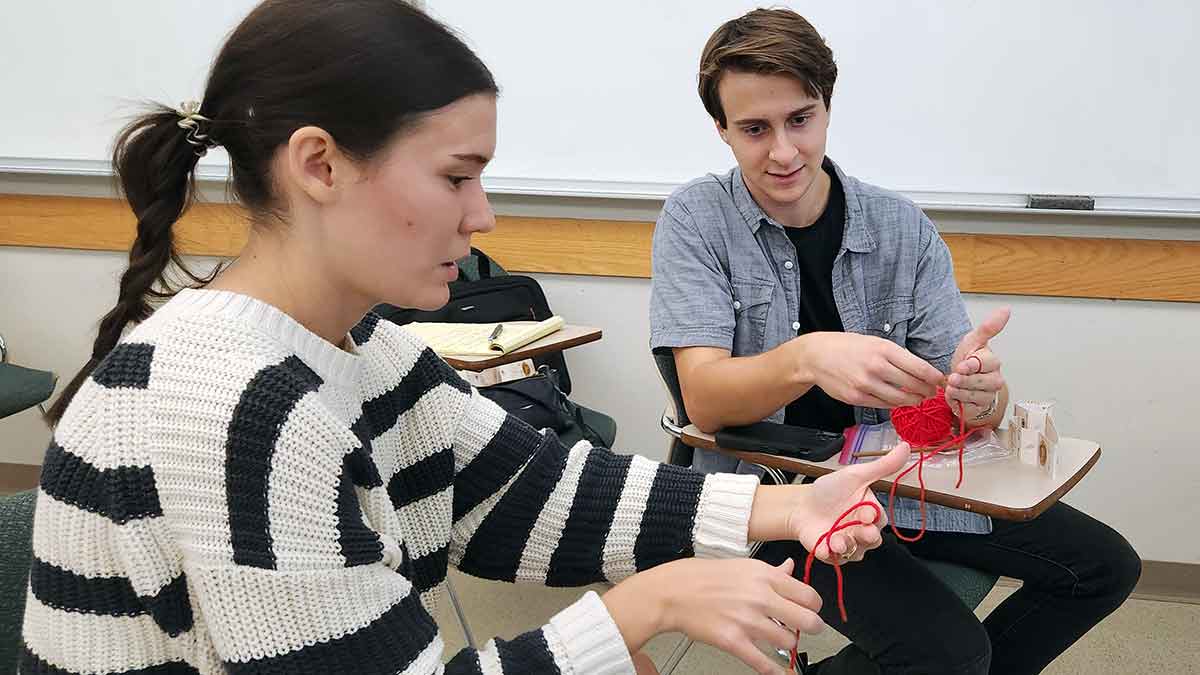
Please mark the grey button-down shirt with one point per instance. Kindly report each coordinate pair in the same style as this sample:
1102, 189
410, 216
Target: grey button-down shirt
724, 276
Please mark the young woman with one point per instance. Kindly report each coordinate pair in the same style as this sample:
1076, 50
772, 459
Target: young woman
262, 476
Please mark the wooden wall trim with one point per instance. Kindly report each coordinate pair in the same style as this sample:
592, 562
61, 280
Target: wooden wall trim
96, 224
1128, 269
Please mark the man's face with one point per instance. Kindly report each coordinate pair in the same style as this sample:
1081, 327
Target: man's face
777, 133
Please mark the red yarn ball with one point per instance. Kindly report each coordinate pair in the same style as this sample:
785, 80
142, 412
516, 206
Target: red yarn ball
924, 424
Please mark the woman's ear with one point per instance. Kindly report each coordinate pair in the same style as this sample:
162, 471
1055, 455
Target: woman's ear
316, 165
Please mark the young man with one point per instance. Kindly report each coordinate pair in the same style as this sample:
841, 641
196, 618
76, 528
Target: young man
791, 291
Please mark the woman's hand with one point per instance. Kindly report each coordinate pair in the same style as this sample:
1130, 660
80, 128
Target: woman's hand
806, 512
729, 604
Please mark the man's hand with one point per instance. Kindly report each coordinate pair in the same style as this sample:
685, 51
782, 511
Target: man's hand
975, 379
868, 371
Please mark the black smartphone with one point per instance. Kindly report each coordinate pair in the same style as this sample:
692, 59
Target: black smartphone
808, 444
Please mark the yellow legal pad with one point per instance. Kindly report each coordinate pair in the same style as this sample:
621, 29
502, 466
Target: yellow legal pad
474, 339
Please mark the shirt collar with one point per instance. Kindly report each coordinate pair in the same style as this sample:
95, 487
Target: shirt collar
856, 237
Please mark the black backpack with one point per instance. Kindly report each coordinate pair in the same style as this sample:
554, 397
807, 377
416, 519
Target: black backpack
486, 293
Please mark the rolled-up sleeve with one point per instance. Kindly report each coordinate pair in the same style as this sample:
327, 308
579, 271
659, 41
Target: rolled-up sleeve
691, 302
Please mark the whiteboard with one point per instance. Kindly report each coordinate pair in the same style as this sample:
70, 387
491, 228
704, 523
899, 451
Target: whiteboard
76, 71
1059, 96
1095, 97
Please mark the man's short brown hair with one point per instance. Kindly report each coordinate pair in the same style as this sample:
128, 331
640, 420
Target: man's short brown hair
768, 42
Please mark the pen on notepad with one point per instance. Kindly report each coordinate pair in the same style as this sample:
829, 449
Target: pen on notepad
495, 333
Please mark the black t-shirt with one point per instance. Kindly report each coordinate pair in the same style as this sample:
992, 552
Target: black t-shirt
816, 248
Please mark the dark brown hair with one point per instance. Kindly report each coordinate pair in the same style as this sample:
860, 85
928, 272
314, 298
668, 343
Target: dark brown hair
362, 70
769, 42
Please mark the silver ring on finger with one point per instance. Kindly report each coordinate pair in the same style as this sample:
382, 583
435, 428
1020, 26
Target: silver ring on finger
850, 553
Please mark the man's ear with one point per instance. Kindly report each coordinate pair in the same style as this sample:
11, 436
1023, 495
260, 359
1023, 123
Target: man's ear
721, 130
315, 165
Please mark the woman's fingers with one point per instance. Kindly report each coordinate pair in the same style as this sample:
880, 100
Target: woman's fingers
745, 650
775, 634
868, 537
792, 590
796, 617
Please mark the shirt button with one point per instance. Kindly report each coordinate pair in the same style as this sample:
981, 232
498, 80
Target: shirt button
737, 304
887, 327
795, 325
787, 265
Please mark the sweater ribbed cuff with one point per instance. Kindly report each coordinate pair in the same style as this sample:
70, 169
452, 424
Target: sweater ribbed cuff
591, 638
722, 527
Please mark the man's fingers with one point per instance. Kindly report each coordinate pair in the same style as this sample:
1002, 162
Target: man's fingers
896, 387
912, 386
996, 321
973, 397
915, 366
891, 395
986, 330
986, 382
870, 401
982, 360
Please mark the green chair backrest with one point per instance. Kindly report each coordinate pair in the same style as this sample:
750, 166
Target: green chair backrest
22, 388
16, 552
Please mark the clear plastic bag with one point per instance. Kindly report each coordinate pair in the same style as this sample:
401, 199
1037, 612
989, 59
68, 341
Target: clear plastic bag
982, 446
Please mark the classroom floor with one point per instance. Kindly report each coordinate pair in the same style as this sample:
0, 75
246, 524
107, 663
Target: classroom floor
1143, 636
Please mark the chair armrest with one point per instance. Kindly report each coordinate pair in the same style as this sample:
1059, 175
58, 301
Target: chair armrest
668, 424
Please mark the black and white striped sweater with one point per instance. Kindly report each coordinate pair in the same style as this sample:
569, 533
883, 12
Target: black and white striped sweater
229, 492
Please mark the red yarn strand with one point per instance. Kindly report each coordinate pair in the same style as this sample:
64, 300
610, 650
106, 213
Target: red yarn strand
926, 425
838, 525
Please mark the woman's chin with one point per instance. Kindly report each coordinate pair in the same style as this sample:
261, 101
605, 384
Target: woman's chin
431, 300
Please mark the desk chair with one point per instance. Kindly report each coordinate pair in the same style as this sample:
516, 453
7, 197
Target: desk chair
16, 552
969, 584
22, 388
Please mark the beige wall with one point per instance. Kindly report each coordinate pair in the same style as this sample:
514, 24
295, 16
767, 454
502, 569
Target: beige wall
1123, 372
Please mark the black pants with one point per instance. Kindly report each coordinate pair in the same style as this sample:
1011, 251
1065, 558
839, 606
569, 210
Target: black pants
1075, 571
